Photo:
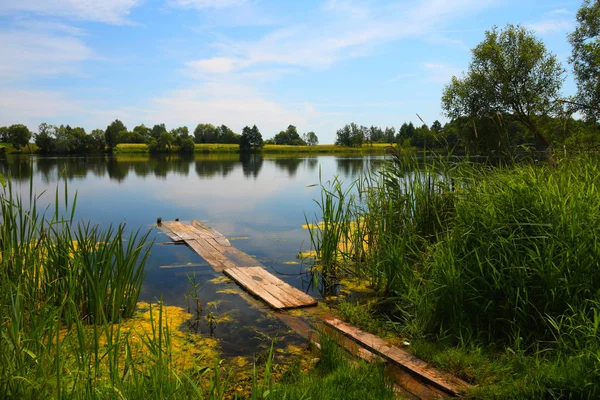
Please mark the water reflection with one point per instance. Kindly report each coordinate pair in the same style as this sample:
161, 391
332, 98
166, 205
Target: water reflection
119, 168
264, 199
354, 166
251, 164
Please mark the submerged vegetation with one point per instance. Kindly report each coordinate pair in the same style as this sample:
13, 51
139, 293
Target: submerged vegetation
483, 260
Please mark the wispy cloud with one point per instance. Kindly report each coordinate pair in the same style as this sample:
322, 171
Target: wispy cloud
440, 73
203, 4
344, 30
233, 104
108, 11
560, 20
32, 54
401, 76
31, 107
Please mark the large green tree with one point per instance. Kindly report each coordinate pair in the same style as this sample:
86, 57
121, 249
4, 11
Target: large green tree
18, 135
251, 139
511, 73
585, 58
45, 137
289, 137
310, 138
111, 133
206, 133
4, 134
158, 130
350, 135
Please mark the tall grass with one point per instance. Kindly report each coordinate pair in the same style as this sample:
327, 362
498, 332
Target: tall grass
506, 256
56, 278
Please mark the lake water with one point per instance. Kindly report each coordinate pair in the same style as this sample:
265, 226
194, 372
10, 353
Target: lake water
261, 202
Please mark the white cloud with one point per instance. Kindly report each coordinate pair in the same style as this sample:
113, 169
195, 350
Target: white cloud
108, 11
202, 4
216, 65
345, 30
401, 76
48, 26
440, 73
28, 54
551, 25
31, 107
234, 105
560, 20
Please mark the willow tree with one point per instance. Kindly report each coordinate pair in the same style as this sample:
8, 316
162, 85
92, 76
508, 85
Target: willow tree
585, 58
511, 73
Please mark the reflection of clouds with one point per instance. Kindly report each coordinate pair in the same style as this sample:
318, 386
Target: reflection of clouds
222, 195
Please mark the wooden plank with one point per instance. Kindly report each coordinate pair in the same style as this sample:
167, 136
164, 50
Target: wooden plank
173, 266
264, 285
222, 245
180, 230
256, 287
218, 236
218, 261
241, 258
253, 287
295, 295
444, 381
270, 285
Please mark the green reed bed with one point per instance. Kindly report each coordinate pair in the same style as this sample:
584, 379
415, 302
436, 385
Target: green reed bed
500, 258
57, 277
69, 326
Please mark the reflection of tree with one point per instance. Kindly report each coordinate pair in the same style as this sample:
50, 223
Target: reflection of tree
210, 168
350, 167
45, 168
181, 164
251, 164
288, 164
97, 166
141, 169
19, 168
74, 167
160, 165
311, 163
116, 170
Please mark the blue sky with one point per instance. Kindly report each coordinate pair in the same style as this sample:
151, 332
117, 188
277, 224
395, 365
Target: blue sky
314, 64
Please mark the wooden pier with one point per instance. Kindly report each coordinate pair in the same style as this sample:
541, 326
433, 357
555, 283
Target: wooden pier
416, 378
250, 274
441, 382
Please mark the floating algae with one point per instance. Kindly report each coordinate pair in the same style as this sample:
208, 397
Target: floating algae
229, 291
219, 280
306, 254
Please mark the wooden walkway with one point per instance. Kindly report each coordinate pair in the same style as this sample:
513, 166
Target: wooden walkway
444, 381
239, 266
416, 378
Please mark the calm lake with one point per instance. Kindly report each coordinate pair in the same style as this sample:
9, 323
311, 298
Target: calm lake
259, 202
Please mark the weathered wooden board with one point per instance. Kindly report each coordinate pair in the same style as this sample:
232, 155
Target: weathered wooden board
269, 288
444, 381
244, 269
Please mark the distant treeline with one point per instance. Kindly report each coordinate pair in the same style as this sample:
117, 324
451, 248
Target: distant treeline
65, 139
495, 135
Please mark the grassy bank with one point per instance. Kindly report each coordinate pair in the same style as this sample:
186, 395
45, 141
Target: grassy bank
208, 148
492, 272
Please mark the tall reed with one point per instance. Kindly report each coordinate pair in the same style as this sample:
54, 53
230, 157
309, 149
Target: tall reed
506, 254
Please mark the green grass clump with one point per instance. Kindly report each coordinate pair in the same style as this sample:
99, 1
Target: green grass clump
503, 257
335, 376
